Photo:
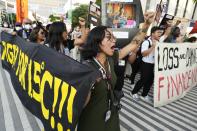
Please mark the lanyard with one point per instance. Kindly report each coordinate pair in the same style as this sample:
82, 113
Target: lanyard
102, 69
107, 78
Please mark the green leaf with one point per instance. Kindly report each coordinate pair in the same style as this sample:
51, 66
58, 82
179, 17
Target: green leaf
81, 11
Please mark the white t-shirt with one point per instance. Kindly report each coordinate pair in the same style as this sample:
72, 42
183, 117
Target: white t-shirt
162, 38
151, 57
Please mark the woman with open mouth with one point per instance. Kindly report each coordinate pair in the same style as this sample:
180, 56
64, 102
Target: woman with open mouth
100, 112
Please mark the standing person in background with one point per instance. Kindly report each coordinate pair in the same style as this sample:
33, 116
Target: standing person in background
79, 36
26, 29
174, 36
135, 62
147, 66
100, 112
47, 32
76, 33
57, 38
17, 27
37, 35
167, 30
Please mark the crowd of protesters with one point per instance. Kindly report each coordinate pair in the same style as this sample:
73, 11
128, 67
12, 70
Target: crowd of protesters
96, 48
142, 60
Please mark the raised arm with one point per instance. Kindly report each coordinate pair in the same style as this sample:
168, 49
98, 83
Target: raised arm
84, 31
148, 17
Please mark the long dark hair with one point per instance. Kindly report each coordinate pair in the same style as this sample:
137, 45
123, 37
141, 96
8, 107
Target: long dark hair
55, 38
91, 47
34, 34
172, 35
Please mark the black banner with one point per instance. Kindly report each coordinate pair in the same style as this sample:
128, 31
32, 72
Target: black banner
50, 85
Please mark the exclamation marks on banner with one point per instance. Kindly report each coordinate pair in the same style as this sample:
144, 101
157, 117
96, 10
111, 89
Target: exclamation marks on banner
64, 95
70, 104
57, 83
64, 91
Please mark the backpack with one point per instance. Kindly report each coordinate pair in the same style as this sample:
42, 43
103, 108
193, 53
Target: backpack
138, 57
139, 53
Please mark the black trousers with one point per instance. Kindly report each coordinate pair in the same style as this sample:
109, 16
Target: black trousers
119, 70
135, 69
146, 80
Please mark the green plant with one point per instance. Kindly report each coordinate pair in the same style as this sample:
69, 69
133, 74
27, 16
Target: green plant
98, 2
54, 18
81, 11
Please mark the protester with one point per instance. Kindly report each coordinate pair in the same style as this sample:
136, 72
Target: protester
70, 42
37, 35
57, 38
135, 61
26, 29
79, 35
100, 113
147, 66
17, 27
76, 32
47, 32
174, 36
47, 27
167, 30
34, 24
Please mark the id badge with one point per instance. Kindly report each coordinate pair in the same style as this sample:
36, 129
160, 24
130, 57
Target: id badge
107, 115
121, 62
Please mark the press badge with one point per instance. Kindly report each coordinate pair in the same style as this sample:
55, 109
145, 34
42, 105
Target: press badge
121, 62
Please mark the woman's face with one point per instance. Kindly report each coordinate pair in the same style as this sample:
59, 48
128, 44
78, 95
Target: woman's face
41, 35
107, 45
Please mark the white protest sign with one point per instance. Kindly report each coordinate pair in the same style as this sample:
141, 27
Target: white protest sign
175, 71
